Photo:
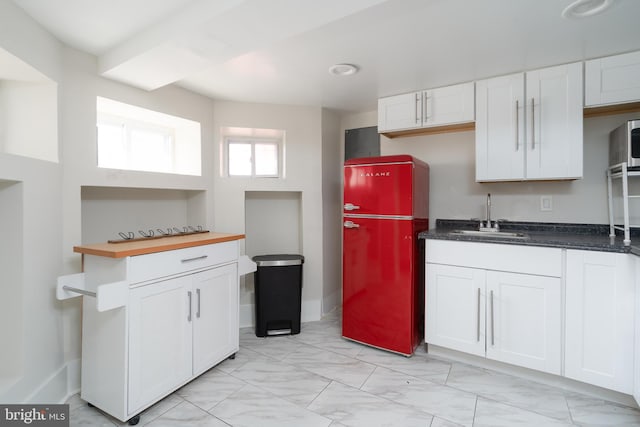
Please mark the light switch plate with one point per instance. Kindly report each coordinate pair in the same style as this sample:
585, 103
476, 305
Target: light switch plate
546, 203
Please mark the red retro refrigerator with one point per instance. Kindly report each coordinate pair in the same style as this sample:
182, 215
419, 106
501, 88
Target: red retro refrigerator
386, 206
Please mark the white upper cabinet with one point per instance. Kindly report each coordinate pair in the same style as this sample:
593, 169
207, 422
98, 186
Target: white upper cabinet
612, 80
529, 125
448, 105
434, 107
400, 112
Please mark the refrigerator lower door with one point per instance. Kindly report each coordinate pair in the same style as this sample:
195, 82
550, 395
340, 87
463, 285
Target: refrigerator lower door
382, 302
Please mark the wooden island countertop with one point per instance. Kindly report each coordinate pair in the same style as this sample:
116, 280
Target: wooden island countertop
142, 247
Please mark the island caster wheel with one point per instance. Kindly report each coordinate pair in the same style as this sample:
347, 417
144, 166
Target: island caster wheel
135, 420
233, 356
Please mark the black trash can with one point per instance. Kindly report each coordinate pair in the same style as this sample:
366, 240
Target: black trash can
278, 289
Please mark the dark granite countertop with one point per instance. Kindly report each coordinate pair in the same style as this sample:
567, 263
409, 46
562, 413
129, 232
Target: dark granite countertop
594, 237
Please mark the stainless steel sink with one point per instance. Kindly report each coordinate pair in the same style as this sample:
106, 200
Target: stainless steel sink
490, 234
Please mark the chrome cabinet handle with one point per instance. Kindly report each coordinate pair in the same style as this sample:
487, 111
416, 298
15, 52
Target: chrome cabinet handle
478, 319
351, 207
198, 305
493, 342
425, 108
189, 316
533, 125
195, 258
351, 224
418, 112
517, 124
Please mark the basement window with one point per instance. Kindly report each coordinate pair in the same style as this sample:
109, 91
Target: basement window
134, 138
255, 153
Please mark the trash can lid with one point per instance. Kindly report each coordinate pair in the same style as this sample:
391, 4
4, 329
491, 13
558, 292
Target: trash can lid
278, 260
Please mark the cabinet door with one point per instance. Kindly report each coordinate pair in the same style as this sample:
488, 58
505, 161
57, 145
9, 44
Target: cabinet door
455, 308
612, 80
524, 320
448, 105
215, 311
500, 147
400, 112
599, 319
554, 122
159, 340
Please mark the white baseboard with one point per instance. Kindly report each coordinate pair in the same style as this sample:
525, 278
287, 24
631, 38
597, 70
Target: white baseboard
52, 390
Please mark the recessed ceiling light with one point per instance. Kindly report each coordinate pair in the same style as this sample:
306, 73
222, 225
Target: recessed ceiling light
343, 69
584, 8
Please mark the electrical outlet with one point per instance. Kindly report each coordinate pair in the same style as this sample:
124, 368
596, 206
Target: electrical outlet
546, 203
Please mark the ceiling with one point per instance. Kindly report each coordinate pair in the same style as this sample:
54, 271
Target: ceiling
279, 51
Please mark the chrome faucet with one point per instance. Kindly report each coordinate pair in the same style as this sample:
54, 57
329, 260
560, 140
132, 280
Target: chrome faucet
487, 226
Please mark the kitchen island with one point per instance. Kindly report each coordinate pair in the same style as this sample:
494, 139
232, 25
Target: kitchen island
157, 313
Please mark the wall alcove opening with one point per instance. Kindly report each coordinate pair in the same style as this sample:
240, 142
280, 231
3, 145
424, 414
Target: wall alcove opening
108, 211
11, 291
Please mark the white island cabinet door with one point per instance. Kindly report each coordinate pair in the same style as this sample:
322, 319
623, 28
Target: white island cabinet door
599, 319
524, 318
160, 337
455, 308
215, 325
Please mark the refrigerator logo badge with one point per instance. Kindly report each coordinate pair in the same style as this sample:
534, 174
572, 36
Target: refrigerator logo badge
375, 174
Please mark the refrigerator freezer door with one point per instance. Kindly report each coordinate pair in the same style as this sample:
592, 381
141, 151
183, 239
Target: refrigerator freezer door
373, 189
381, 299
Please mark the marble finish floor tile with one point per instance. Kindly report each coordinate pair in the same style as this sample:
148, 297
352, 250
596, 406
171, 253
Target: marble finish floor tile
419, 365
210, 388
317, 378
518, 392
331, 365
187, 414
587, 411
252, 406
495, 414
283, 380
353, 407
445, 402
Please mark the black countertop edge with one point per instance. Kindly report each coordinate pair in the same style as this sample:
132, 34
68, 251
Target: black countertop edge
558, 235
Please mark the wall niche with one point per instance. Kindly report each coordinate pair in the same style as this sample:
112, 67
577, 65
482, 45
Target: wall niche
108, 211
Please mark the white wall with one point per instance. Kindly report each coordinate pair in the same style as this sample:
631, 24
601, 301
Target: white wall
36, 325
22, 105
455, 194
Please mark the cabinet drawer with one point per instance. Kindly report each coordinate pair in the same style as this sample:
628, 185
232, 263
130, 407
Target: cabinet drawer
490, 256
161, 264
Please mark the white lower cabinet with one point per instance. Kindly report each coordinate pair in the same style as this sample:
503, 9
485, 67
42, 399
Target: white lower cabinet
600, 300
506, 316
179, 328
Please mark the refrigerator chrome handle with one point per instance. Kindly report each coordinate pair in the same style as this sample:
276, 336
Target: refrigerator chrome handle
351, 224
351, 207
